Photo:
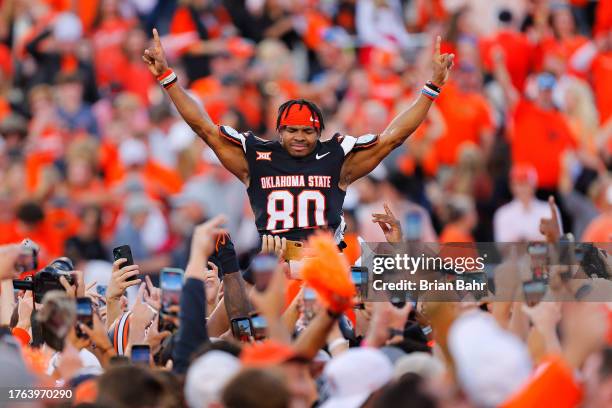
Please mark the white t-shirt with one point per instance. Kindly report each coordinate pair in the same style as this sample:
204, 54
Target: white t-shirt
514, 222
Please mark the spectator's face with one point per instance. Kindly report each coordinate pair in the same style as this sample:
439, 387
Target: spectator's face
70, 94
79, 172
522, 190
139, 219
299, 141
545, 99
109, 8
301, 385
89, 226
135, 42
563, 22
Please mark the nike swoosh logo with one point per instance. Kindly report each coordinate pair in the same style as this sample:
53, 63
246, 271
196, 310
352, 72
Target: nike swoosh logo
321, 156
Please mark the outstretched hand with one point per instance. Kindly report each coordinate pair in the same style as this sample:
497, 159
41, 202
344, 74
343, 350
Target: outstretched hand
442, 64
389, 224
154, 56
551, 227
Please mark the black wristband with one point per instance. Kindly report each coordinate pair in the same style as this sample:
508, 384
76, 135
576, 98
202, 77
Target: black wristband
433, 86
226, 255
333, 315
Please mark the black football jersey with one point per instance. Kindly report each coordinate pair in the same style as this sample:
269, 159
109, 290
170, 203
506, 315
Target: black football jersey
292, 197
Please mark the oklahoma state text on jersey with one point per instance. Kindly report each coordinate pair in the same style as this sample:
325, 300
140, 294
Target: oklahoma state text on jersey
292, 196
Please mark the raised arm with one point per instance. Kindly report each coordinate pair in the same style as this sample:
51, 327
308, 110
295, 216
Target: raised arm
360, 163
229, 152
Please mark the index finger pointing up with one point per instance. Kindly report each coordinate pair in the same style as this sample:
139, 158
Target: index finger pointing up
156, 37
553, 209
437, 47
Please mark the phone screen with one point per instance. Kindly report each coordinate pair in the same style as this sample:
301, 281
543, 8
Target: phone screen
357, 278
259, 326
84, 311
241, 328
141, 354
171, 284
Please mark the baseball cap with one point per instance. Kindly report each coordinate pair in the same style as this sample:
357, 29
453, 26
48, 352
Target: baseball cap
267, 353
240, 47
524, 172
207, 376
546, 81
354, 375
491, 363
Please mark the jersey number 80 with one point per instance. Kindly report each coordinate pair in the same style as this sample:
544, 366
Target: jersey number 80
286, 211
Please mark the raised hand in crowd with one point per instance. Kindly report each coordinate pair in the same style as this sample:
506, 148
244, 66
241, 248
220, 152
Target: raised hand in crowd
390, 225
141, 319
543, 339
8, 257
584, 327
121, 279
25, 306
154, 337
214, 287
101, 345
273, 244
203, 245
551, 227
152, 294
78, 288
387, 323
271, 303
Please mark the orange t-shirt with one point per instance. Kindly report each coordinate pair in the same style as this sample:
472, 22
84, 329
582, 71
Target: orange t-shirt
601, 71
603, 17
137, 79
451, 233
539, 137
385, 89
108, 40
467, 115
599, 230
519, 55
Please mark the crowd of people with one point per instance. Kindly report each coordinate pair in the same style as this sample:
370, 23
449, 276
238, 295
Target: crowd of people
93, 156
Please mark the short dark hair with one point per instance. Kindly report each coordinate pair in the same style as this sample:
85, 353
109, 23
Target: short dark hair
505, 16
407, 391
314, 109
30, 213
220, 345
130, 386
256, 388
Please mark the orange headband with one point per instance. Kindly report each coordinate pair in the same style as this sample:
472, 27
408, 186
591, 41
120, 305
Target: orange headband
298, 115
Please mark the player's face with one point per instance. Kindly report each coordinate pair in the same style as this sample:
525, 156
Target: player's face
299, 141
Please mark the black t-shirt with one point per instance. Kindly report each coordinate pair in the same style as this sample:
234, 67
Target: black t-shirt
292, 197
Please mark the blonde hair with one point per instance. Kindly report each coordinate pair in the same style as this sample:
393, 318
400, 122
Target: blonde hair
583, 112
